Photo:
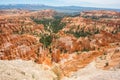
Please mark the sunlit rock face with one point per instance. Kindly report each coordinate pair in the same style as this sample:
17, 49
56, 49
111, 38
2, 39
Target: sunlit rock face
94, 43
92, 20
101, 13
48, 14
16, 46
27, 13
110, 59
90, 72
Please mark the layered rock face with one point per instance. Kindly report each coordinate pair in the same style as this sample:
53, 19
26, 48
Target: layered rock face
100, 14
17, 37
81, 42
26, 13
80, 23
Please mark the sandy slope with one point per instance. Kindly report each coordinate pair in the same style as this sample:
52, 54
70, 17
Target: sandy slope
24, 70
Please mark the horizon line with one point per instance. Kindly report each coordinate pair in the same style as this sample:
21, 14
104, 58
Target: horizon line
61, 5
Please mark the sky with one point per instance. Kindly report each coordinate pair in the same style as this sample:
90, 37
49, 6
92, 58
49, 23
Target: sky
85, 3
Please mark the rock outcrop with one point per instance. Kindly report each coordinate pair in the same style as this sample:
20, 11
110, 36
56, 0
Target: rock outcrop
25, 70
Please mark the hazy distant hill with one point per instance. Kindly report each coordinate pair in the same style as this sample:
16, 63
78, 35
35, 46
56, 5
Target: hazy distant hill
68, 9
